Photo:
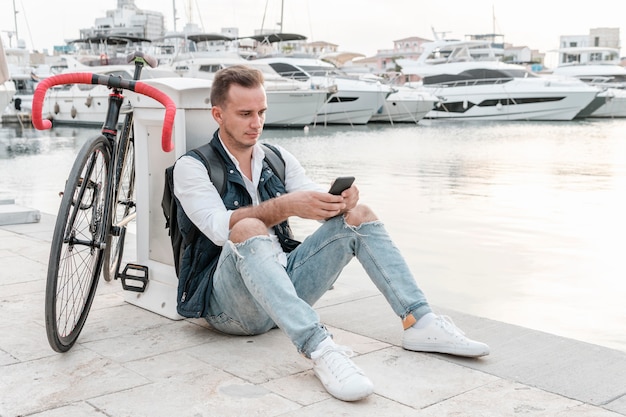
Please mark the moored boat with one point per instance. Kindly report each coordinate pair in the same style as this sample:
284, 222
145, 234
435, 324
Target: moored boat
487, 89
405, 104
597, 66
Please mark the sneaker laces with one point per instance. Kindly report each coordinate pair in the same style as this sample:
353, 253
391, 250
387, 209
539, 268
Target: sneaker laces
337, 360
446, 323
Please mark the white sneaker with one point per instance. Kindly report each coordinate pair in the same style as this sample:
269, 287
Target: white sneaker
339, 375
442, 336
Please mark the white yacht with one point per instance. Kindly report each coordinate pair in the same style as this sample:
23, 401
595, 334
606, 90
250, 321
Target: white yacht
354, 100
473, 84
405, 104
598, 66
290, 103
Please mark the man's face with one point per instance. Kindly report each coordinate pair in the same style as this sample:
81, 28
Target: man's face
241, 119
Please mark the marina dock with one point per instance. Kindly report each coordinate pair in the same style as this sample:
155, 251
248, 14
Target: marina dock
131, 362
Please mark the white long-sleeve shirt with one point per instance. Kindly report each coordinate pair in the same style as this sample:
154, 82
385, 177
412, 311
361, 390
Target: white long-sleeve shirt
202, 202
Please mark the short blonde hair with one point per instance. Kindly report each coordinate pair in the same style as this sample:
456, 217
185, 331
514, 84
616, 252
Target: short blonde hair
242, 75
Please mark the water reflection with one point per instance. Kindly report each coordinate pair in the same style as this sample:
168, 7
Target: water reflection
519, 222
16, 141
34, 164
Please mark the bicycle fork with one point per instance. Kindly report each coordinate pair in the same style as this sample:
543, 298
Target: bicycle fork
86, 194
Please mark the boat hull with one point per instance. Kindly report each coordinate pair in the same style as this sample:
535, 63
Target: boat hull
525, 99
293, 108
350, 107
405, 107
77, 105
614, 104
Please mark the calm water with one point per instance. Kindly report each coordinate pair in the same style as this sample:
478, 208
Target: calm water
519, 222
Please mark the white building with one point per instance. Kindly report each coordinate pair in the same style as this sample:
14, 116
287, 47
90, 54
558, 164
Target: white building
127, 21
599, 38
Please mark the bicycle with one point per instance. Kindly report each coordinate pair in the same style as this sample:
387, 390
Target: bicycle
96, 206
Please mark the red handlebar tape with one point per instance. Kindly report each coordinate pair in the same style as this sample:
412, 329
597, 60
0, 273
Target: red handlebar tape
89, 78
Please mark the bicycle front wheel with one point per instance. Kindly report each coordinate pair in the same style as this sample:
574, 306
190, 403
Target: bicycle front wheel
77, 245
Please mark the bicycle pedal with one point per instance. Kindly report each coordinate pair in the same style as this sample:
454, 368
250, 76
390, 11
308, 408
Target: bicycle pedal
137, 274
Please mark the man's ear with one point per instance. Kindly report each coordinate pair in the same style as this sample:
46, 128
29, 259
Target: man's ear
216, 111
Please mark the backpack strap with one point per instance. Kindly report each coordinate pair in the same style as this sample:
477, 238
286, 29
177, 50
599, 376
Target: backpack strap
275, 160
210, 159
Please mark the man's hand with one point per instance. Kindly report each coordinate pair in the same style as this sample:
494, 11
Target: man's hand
321, 206
350, 198
312, 205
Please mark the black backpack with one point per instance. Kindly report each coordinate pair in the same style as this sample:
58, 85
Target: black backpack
217, 172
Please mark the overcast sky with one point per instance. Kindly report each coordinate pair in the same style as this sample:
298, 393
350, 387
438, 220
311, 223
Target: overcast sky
363, 26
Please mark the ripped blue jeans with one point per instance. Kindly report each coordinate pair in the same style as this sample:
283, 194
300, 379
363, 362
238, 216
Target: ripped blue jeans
253, 293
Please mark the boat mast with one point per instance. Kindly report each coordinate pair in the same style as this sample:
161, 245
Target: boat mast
15, 20
282, 8
174, 13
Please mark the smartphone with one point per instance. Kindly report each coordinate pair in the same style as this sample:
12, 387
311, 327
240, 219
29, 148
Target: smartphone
340, 185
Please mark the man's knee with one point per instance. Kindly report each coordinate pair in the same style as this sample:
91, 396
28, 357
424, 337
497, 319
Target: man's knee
359, 215
244, 229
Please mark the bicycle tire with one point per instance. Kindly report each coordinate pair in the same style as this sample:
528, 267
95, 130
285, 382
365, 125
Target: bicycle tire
76, 250
124, 204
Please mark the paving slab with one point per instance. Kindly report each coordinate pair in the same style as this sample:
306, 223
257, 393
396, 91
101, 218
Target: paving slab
46, 383
11, 213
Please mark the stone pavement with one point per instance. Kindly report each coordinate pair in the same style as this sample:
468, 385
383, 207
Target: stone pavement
132, 362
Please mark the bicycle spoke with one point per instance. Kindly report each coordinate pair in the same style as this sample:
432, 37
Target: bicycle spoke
73, 289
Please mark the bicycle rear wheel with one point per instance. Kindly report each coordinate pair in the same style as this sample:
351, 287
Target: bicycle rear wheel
124, 206
77, 244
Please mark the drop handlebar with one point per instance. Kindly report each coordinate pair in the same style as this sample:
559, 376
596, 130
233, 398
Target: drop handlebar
112, 82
